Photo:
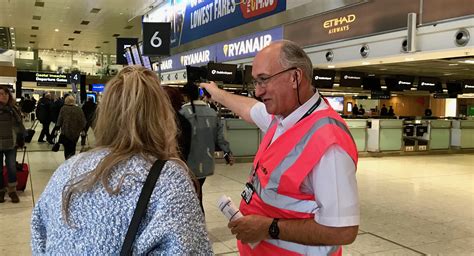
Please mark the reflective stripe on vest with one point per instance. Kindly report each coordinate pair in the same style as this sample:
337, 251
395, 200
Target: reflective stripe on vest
270, 195
304, 249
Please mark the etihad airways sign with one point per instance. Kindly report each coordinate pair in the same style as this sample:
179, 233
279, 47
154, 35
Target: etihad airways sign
247, 46
339, 24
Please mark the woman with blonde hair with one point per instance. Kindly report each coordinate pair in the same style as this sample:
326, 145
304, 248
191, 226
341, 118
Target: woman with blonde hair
72, 121
88, 204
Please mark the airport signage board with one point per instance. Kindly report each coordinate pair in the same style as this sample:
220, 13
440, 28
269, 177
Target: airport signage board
468, 86
156, 38
247, 46
371, 83
196, 57
195, 19
221, 72
361, 19
323, 78
49, 78
399, 83
430, 84
380, 95
351, 79
123, 43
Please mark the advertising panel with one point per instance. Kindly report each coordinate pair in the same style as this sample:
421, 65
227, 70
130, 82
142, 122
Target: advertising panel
247, 46
196, 57
195, 19
359, 20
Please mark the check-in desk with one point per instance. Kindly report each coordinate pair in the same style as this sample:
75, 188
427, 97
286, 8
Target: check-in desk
384, 135
462, 134
416, 135
358, 129
243, 137
440, 134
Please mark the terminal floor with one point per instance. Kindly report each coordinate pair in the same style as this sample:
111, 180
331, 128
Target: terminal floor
410, 205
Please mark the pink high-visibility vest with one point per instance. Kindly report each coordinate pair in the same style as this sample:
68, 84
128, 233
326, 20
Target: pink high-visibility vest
281, 167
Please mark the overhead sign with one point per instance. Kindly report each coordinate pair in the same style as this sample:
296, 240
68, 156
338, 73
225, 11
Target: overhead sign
351, 79
399, 83
371, 83
454, 88
440, 95
379, 95
76, 77
468, 86
430, 84
156, 38
195, 19
351, 22
323, 78
52, 78
221, 72
196, 57
247, 46
123, 43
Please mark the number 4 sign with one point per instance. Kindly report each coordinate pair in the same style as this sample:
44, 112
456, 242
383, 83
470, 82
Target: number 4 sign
156, 38
75, 77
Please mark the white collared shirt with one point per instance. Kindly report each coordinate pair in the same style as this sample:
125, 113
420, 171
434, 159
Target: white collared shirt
332, 180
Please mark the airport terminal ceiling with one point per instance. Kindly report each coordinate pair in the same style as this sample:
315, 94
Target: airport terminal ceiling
85, 25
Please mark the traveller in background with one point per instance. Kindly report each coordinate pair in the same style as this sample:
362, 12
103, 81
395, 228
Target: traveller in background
27, 106
88, 108
383, 110
207, 132
390, 111
301, 196
375, 111
72, 121
43, 114
11, 137
88, 204
184, 127
361, 110
355, 110
428, 112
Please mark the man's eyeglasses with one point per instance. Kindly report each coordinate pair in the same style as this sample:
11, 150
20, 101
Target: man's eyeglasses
263, 81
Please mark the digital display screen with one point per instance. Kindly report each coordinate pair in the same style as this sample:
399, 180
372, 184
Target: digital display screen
128, 56
136, 55
145, 59
337, 103
98, 87
93, 96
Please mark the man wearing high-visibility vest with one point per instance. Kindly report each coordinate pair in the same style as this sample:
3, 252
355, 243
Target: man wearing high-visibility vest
301, 196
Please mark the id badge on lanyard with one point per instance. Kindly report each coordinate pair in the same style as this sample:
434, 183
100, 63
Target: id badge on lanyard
249, 188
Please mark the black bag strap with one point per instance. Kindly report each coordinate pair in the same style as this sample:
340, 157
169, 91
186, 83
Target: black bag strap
142, 204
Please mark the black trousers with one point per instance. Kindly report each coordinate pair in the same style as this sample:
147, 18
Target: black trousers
201, 183
69, 147
45, 131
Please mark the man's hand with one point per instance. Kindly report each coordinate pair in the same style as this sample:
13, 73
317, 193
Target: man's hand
211, 88
251, 228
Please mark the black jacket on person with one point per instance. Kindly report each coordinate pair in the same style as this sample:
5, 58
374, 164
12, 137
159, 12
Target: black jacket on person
184, 136
89, 108
43, 110
383, 111
55, 109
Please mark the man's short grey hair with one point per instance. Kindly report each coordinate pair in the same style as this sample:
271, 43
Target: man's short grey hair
292, 55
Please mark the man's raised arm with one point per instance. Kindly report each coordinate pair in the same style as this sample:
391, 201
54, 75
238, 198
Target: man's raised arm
236, 103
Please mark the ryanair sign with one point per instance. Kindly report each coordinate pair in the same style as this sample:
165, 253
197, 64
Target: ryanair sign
247, 46
339, 24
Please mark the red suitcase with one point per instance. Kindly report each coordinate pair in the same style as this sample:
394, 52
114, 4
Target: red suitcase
22, 172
